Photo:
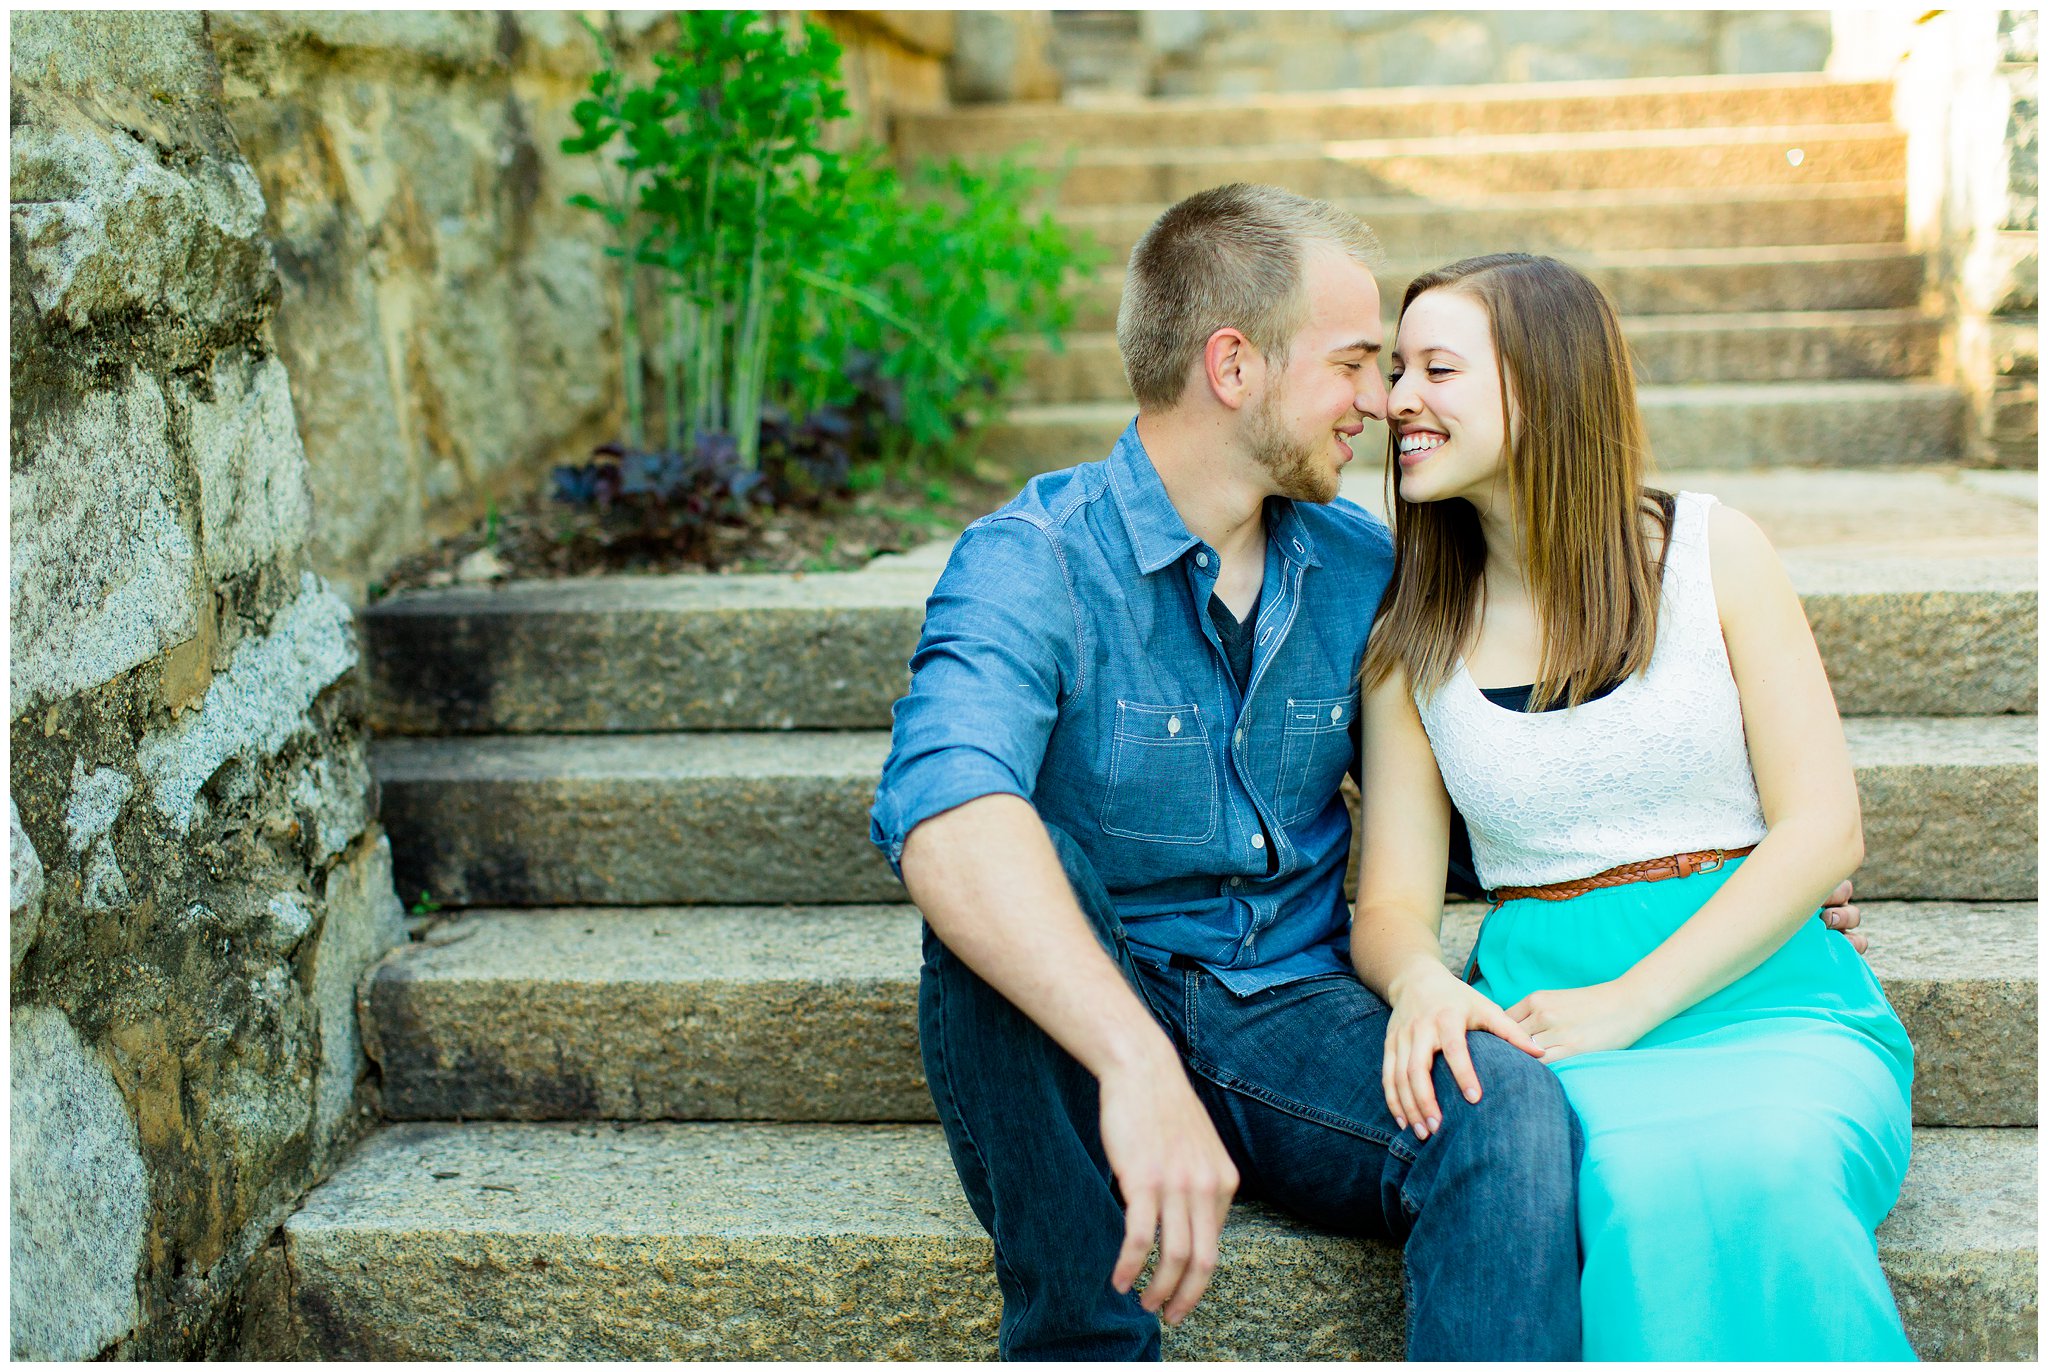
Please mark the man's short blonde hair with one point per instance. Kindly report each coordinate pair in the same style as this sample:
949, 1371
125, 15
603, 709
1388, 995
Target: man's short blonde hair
1230, 257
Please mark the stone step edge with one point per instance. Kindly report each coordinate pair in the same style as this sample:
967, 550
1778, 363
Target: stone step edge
1662, 324
1631, 259
1480, 144
807, 963
1364, 207
794, 752
794, 1222
1721, 395
891, 588
807, 1012
1500, 92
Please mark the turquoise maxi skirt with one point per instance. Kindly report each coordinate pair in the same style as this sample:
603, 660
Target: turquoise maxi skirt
1741, 1155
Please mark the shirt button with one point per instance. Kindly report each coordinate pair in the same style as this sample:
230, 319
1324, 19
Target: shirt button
1336, 713
1201, 559
1173, 724
1236, 882
1258, 840
1238, 736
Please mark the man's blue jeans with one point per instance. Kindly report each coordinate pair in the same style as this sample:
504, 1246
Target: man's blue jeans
1291, 1076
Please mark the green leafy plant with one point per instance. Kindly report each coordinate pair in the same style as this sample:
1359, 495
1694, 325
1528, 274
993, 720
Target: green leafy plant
800, 329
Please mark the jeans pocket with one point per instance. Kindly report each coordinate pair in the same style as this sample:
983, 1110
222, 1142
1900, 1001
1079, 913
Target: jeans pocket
1315, 748
1162, 775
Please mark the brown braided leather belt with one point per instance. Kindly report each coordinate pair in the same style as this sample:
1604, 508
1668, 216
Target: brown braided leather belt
1650, 869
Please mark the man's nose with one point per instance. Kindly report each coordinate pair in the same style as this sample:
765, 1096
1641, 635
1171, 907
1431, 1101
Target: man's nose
1371, 400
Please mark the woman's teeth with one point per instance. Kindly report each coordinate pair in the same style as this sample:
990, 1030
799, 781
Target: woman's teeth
1421, 443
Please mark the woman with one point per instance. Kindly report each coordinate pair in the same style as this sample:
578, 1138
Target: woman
1600, 675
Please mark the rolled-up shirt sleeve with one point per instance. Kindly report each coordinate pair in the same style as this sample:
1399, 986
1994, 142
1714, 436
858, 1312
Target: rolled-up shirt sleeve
997, 659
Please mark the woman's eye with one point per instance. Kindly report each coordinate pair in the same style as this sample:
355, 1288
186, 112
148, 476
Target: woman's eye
1439, 371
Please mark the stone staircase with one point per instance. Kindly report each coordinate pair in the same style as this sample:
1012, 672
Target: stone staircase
654, 1090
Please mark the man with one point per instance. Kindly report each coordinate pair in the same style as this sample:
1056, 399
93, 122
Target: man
1113, 793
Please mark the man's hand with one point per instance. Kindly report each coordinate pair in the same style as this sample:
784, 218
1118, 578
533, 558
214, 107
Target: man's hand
1432, 1011
1844, 918
1177, 1180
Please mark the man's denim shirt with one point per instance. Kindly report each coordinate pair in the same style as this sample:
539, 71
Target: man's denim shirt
1068, 657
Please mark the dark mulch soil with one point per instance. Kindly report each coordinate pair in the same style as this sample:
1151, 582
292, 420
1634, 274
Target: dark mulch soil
543, 539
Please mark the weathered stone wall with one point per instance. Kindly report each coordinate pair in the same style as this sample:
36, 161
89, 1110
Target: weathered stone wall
292, 293
1221, 52
448, 321
197, 882
1966, 82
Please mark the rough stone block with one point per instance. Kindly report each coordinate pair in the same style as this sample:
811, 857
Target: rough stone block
635, 820
1964, 981
105, 572
1173, 32
1765, 41
361, 920
1561, 29
663, 1013
1449, 52
692, 1013
80, 1195
454, 39
253, 497
103, 232
24, 889
1662, 28
97, 799
643, 653
719, 1241
257, 704
1950, 807
100, 52
1581, 222
330, 794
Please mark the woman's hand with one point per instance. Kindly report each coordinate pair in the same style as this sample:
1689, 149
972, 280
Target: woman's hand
1432, 1012
1587, 1019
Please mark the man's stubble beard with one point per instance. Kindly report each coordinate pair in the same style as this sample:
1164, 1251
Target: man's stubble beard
1298, 469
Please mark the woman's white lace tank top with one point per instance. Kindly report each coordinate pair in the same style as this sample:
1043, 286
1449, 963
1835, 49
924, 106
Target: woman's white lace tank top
1657, 766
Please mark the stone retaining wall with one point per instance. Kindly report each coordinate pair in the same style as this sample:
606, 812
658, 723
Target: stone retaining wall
1223, 52
1967, 96
448, 321
197, 882
292, 293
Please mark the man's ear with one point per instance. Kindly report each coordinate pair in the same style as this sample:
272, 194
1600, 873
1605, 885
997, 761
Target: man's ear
1232, 368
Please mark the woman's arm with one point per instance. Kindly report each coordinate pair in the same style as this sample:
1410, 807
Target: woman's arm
1808, 789
1394, 929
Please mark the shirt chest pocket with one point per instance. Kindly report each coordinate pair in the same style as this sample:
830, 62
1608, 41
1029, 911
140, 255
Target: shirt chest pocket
1162, 775
1315, 748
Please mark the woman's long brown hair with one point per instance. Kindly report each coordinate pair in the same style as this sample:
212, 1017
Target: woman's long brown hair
1574, 469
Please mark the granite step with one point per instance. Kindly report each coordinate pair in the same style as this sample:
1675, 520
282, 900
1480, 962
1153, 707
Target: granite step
1840, 424
1901, 633
584, 1242
1412, 228
1467, 168
1949, 813
1823, 279
1437, 112
809, 1013
1668, 349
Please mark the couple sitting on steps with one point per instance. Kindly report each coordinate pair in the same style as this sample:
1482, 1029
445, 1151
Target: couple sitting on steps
1664, 1109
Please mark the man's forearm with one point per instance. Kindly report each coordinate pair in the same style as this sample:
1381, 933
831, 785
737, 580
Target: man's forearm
987, 878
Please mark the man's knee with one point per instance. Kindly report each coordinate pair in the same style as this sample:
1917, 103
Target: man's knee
1522, 1107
